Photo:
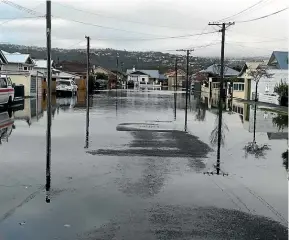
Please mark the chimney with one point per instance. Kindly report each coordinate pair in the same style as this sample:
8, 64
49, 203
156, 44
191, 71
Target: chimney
133, 69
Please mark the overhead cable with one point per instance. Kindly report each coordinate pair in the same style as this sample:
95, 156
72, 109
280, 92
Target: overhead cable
266, 16
116, 18
238, 13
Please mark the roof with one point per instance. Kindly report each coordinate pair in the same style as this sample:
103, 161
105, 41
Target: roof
162, 77
3, 59
73, 67
215, 69
151, 73
41, 63
173, 73
17, 57
250, 65
279, 60
104, 69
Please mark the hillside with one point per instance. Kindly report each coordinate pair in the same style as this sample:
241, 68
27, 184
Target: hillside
107, 57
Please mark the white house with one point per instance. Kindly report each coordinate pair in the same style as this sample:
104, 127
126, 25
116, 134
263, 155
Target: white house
278, 67
19, 67
41, 65
146, 77
17, 62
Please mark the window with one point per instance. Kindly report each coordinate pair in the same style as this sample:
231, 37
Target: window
9, 82
25, 68
3, 83
20, 67
143, 79
267, 88
238, 86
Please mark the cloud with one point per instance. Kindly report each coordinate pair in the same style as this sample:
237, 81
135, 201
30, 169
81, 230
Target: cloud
142, 19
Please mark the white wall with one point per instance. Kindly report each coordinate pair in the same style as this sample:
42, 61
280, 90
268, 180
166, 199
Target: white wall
15, 67
138, 78
10, 67
266, 86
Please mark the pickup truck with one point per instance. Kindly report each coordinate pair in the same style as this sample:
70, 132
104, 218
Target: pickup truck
6, 91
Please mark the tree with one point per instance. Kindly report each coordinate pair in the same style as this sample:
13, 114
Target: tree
101, 76
282, 90
281, 121
285, 159
252, 147
214, 134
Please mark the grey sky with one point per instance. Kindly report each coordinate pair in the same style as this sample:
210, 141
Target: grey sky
156, 19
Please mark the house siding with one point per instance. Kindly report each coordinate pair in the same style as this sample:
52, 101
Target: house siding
266, 86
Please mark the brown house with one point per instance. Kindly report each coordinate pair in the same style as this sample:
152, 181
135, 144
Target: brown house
74, 67
181, 77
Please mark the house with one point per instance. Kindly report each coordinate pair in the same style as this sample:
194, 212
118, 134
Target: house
212, 79
278, 60
143, 77
277, 66
181, 78
76, 69
242, 87
19, 67
41, 65
163, 80
73, 67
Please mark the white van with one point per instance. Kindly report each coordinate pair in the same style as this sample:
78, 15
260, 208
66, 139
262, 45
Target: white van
66, 86
6, 91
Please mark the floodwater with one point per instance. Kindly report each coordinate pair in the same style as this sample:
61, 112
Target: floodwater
141, 176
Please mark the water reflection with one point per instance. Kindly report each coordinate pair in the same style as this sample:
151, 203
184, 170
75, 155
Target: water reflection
281, 121
6, 126
285, 159
66, 103
30, 111
200, 109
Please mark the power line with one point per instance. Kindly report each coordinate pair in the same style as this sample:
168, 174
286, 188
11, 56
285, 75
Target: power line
16, 18
246, 9
21, 8
268, 15
150, 39
276, 40
30, 11
116, 18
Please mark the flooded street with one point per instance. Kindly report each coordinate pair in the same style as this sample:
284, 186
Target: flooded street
142, 176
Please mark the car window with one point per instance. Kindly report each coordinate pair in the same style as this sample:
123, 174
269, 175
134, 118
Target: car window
67, 83
9, 82
3, 83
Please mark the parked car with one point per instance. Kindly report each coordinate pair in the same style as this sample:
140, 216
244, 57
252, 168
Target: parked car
6, 91
66, 87
100, 84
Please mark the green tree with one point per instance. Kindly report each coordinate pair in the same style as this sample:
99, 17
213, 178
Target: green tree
101, 76
282, 90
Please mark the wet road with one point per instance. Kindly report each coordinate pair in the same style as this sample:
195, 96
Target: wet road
141, 176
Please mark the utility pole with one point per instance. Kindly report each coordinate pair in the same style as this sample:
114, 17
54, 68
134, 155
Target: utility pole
48, 130
117, 67
187, 84
176, 72
223, 31
176, 83
87, 91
